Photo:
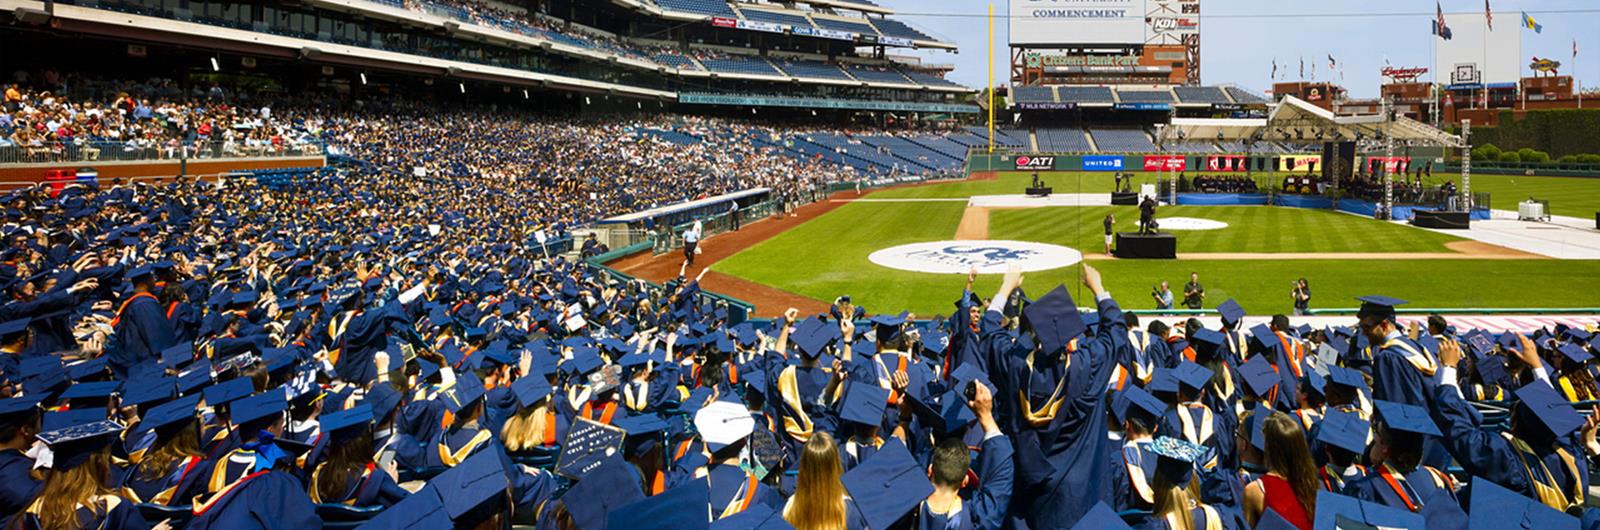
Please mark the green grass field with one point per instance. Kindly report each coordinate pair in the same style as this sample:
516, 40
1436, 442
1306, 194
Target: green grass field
827, 257
1250, 229
1574, 196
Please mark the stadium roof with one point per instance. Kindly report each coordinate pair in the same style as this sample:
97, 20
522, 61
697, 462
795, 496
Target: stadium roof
1295, 121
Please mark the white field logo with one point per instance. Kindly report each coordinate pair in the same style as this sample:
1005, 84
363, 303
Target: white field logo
989, 257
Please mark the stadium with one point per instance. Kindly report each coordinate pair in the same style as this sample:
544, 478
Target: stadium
588, 264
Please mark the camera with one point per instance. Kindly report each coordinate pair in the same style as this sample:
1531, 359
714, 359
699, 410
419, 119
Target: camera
971, 390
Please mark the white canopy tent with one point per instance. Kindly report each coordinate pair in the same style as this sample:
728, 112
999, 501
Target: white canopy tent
1295, 121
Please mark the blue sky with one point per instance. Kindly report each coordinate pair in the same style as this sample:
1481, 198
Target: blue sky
1240, 38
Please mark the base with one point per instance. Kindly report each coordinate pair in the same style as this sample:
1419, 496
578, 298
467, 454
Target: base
1133, 245
1126, 198
1441, 219
1042, 191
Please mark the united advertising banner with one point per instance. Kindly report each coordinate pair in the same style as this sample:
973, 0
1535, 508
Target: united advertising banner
1102, 163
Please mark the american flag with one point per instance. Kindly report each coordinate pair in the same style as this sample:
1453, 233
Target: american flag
1439, 28
1488, 15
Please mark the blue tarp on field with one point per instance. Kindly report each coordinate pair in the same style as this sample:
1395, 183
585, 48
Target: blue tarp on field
1222, 199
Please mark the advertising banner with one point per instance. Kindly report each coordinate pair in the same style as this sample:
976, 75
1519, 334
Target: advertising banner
1035, 163
1299, 162
1081, 21
723, 22
1102, 163
1165, 163
760, 26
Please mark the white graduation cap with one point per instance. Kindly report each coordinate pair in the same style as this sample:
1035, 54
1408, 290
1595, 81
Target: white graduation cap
723, 423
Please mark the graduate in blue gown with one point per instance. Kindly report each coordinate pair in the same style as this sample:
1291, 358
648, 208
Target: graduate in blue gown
1061, 443
350, 475
951, 466
1133, 464
19, 422
172, 470
140, 330
1398, 478
725, 427
80, 454
1343, 439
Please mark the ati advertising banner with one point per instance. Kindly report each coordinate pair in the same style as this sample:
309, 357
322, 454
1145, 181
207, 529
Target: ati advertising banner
1166, 163
1299, 162
1102, 163
1036, 163
1225, 163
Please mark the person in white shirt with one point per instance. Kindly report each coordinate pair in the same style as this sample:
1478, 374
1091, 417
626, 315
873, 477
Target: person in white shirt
691, 242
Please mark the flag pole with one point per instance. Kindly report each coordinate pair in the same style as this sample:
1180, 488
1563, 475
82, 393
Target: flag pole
991, 78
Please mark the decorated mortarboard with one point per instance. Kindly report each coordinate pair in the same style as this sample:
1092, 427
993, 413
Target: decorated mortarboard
174, 413
721, 424
260, 406
935, 341
1259, 375
466, 390
149, 390
1101, 517
1378, 306
18, 411
1494, 507
887, 485
1191, 375
1176, 458
1055, 319
1344, 430
72, 445
680, 508
864, 403
1338, 512
529, 391
1575, 353
1405, 418
57, 420
1479, 344
1231, 313
1549, 408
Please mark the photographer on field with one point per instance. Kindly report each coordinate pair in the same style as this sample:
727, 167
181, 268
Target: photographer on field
1301, 293
1162, 295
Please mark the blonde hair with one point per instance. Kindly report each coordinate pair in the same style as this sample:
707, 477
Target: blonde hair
818, 502
1176, 500
64, 490
524, 431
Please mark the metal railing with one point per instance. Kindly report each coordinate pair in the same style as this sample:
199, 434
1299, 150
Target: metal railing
101, 151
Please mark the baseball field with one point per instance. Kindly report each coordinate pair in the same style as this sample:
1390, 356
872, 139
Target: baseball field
1253, 258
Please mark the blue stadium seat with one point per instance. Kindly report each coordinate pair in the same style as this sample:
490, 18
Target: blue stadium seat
704, 7
1200, 94
813, 70
1243, 96
841, 25
1145, 96
1060, 140
1032, 94
740, 65
878, 76
1122, 140
1085, 94
895, 28
758, 15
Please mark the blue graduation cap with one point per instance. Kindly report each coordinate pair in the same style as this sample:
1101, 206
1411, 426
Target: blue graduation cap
643, 432
194, 378
1548, 407
1163, 380
1262, 338
1346, 377
1378, 306
610, 485
864, 403
812, 336
228, 391
1495, 508
1490, 368
1259, 375
1345, 431
18, 411
888, 327
1575, 353
1101, 517
1054, 319
260, 406
887, 485
82, 370
1270, 520
72, 445
177, 355
1406, 418
1336, 512
12, 328
1231, 313
94, 390
683, 507
174, 413
466, 391
1144, 403
474, 489
1192, 376
529, 391
935, 341
756, 517
348, 423
967, 373
149, 390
